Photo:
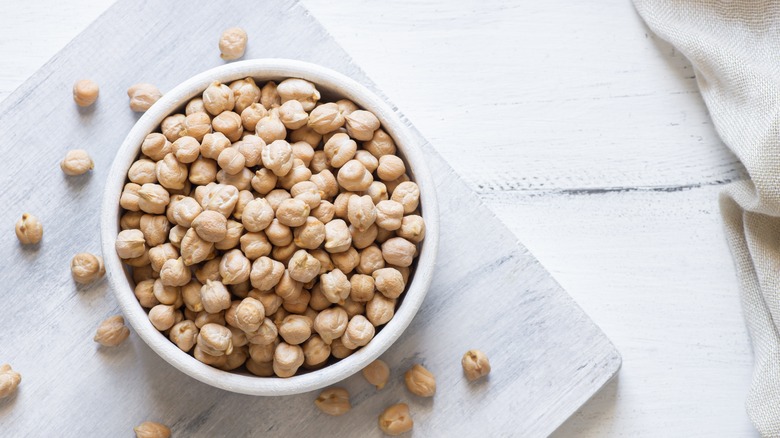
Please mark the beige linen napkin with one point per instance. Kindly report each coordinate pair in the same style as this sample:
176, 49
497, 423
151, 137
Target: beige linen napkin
734, 47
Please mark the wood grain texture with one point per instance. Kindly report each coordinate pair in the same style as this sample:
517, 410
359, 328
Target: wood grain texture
488, 291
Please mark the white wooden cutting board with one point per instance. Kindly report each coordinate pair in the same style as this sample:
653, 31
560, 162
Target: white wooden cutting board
488, 292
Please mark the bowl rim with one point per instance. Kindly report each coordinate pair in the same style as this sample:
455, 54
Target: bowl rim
330, 81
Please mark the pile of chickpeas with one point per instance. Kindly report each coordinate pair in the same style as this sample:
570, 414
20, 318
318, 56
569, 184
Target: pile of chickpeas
269, 229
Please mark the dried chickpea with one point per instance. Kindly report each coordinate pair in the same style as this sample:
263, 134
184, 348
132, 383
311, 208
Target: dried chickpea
303, 267
232, 43
76, 162
269, 96
333, 401
241, 181
170, 173
204, 318
389, 215
9, 381
412, 228
346, 261
29, 230
279, 234
339, 150
310, 235
298, 89
335, 286
407, 194
112, 332
292, 212
337, 237
217, 98
155, 228
326, 118
341, 204
255, 245
251, 147
172, 126
144, 291
270, 128
284, 253
368, 160
362, 288
231, 161
315, 352
156, 146
307, 135
302, 151
266, 334
365, 238
277, 156
251, 115
287, 359
298, 173
371, 259
326, 183
420, 381
287, 288
228, 123
399, 251
215, 339
319, 161
162, 317
358, 333
250, 315
234, 267
190, 294
266, 273
262, 369
361, 212
377, 373
331, 324
354, 177
175, 273
153, 198
380, 310
142, 172
129, 243
193, 248
196, 126
222, 198
85, 92
246, 93
86, 267
150, 429
131, 219
475, 365
195, 105
396, 420
166, 294
308, 192
235, 359
213, 144
184, 334
263, 181
295, 329
338, 350
391, 167
389, 281
292, 115
208, 359
324, 212
129, 198
214, 296
361, 125
143, 96
211, 226
380, 144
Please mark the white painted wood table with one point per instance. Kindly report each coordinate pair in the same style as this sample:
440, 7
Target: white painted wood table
588, 137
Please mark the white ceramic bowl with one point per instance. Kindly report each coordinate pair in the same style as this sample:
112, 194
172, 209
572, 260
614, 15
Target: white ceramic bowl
331, 85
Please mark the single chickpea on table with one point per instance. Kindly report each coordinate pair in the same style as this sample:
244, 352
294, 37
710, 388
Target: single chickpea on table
267, 228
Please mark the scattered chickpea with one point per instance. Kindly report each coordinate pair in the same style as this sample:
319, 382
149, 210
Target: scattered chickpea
76, 162
85, 92
9, 381
86, 268
143, 96
150, 429
29, 230
333, 401
420, 381
396, 420
112, 332
232, 43
377, 373
475, 364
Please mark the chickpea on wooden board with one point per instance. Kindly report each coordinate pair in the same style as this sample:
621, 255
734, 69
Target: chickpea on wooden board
266, 227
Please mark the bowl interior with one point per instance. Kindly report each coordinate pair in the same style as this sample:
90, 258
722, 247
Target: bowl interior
332, 86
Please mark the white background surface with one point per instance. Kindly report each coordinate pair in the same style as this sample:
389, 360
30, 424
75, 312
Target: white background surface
588, 137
